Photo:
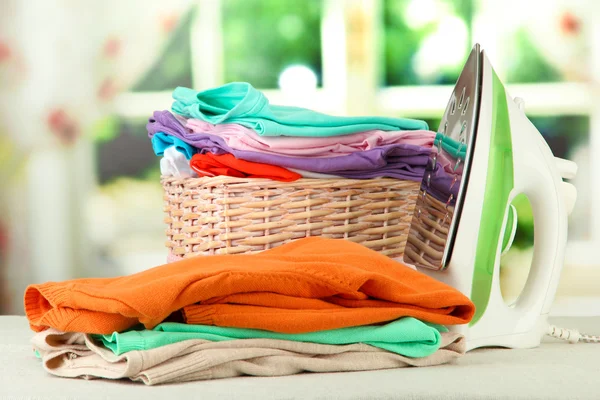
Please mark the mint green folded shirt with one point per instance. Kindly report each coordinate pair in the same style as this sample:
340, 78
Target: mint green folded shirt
451, 146
406, 336
241, 103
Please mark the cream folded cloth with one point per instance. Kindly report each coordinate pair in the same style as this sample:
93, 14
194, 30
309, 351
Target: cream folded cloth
73, 355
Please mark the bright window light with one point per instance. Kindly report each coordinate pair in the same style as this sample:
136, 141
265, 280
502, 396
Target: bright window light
444, 48
297, 79
421, 12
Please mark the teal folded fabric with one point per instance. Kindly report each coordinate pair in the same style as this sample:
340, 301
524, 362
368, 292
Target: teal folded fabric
161, 141
241, 103
406, 336
451, 146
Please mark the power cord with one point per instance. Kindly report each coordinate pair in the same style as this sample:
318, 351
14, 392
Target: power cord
571, 335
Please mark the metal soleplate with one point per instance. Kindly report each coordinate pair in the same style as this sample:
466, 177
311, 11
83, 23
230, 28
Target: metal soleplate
439, 205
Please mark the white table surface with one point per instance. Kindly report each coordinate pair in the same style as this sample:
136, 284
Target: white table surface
555, 370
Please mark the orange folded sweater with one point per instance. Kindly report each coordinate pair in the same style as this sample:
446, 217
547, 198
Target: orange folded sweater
307, 285
226, 164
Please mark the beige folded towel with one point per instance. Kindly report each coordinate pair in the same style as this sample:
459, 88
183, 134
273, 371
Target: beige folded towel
74, 355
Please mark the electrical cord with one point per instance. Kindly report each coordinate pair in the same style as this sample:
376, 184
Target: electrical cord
571, 335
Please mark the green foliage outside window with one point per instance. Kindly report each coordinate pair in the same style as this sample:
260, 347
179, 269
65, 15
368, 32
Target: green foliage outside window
262, 37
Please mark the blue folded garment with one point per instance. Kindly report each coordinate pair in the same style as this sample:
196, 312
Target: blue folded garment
161, 141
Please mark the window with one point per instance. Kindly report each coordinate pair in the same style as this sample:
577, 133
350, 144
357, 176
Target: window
174, 66
265, 37
425, 42
401, 58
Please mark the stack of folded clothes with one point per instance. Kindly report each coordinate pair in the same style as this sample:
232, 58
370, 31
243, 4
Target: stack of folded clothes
312, 305
232, 130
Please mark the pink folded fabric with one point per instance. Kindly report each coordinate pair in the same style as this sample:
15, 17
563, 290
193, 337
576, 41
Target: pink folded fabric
242, 138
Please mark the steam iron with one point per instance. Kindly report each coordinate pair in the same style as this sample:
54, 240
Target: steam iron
487, 152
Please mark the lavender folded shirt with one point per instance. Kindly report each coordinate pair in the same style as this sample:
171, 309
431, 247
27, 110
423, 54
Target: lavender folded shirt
442, 185
400, 161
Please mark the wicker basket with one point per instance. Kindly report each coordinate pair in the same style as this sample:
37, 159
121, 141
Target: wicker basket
430, 232
225, 215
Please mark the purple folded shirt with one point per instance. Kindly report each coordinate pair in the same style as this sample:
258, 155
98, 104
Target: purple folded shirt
400, 161
442, 185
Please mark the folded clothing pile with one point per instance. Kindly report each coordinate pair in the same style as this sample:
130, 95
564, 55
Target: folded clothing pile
232, 130
312, 305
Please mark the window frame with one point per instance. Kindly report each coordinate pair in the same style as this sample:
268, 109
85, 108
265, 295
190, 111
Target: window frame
350, 84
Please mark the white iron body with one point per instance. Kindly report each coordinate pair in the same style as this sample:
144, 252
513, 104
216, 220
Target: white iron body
537, 174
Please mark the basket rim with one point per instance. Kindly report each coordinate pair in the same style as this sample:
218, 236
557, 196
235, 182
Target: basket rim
301, 183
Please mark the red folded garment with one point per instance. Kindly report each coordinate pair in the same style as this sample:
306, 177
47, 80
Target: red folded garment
306, 285
226, 164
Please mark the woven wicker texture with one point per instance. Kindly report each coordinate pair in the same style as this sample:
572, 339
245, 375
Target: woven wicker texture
429, 232
225, 215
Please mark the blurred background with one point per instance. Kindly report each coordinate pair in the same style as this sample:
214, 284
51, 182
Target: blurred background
79, 183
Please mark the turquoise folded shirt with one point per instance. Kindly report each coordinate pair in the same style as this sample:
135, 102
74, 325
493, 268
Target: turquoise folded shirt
161, 141
451, 146
241, 103
406, 336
